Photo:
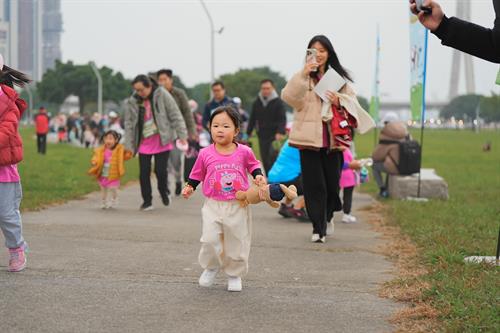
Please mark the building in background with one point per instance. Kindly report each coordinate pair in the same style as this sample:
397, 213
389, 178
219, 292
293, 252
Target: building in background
52, 30
30, 34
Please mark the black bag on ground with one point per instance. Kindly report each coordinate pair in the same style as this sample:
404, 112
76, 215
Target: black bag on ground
410, 154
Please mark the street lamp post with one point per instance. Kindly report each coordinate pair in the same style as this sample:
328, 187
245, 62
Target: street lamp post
30, 101
212, 41
99, 87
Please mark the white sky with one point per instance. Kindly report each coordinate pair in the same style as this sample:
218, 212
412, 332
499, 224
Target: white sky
143, 35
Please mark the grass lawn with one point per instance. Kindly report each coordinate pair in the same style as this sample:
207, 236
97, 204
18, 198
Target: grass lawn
467, 295
60, 175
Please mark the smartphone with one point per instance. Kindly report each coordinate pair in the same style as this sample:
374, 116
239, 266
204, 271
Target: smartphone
311, 57
422, 8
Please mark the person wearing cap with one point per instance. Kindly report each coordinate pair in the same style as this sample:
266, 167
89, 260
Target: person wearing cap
268, 117
386, 155
42, 128
175, 162
115, 124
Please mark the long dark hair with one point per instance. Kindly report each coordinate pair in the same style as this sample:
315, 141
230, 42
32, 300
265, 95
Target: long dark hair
11, 77
333, 59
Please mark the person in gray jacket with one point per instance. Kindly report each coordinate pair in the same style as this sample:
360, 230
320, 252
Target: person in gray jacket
152, 123
176, 159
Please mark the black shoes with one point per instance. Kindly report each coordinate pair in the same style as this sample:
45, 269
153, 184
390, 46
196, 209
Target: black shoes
146, 206
165, 199
178, 188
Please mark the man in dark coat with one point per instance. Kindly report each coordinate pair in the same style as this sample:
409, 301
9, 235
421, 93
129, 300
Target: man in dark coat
269, 118
462, 35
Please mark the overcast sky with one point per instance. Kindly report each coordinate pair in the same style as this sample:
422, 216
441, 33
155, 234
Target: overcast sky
143, 35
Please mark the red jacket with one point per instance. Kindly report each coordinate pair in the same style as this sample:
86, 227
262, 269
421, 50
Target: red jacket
42, 123
11, 109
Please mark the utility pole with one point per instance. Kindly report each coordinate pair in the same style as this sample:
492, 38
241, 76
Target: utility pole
212, 41
99, 87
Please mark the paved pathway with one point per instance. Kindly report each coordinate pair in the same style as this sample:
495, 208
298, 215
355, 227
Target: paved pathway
129, 271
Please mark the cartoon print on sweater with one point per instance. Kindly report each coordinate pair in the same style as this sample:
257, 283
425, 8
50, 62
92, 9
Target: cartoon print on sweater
227, 182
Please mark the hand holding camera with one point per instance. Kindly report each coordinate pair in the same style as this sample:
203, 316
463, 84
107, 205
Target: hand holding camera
429, 13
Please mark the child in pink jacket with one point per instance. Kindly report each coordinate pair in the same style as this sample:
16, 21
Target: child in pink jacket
348, 180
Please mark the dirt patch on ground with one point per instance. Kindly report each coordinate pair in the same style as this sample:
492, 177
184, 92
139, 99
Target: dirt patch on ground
409, 285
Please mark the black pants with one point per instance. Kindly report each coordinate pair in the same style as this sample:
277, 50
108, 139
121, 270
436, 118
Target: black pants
321, 175
265, 143
347, 204
41, 143
161, 160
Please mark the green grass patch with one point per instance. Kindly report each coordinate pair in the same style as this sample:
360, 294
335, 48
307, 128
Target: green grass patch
447, 231
60, 175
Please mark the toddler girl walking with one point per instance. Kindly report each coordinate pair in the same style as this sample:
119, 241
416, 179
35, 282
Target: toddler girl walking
108, 167
223, 169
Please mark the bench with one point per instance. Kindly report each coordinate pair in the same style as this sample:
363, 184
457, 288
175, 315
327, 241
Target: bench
432, 186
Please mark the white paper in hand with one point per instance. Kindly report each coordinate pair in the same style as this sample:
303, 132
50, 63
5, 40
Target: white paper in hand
331, 81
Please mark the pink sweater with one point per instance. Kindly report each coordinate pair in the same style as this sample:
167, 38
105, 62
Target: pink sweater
348, 177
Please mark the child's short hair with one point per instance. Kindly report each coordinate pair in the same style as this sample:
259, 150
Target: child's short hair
115, 134
230, 111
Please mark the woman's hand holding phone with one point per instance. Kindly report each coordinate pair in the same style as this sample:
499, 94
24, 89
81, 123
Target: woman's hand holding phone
310, 67
311, 63
431, 17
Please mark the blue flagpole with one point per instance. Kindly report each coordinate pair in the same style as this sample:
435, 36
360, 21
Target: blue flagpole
422, 117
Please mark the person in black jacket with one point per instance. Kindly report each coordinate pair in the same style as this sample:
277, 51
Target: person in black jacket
462, 35
269, 118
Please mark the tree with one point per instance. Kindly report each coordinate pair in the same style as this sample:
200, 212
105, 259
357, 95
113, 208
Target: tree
461, 107
69, 79
364, 103
200, 93
245, 84
490, 108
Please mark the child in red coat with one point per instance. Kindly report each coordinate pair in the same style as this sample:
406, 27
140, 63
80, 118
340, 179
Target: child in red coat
11, 153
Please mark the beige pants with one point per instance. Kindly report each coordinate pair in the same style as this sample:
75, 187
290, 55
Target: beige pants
226, 237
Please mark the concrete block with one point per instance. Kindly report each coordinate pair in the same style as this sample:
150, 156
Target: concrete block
432, 186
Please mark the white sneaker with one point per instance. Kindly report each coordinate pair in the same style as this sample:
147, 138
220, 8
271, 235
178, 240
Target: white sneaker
330, 228
234, 284
104, 205
113, 203
315, 238
207, 278
348, 218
